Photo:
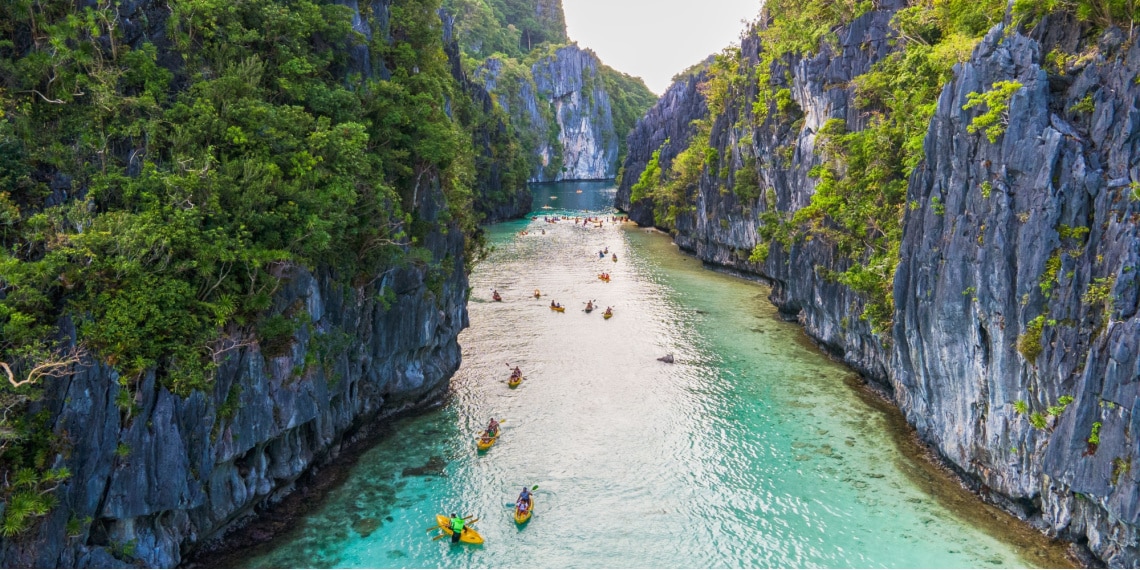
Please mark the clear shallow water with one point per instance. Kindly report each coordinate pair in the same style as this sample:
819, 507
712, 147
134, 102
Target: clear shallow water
753, 450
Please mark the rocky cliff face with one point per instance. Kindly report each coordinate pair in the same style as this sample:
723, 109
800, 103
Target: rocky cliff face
671, 119
561, 106
501, 193
173, 471
155, 474
1032, 237
1031, 227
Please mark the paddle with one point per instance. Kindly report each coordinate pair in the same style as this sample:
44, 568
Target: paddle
512, 505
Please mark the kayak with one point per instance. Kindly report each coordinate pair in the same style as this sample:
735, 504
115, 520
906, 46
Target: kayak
588, 309
514, 382
559, 309
470, 536
604, 278
487, 445
607, 314
537, 294
520, 517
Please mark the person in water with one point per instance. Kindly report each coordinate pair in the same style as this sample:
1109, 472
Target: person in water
524, 501
457, 525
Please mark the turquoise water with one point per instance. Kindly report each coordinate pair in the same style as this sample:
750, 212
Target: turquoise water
752, 450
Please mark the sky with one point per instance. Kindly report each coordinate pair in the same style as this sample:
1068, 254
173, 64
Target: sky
656, 39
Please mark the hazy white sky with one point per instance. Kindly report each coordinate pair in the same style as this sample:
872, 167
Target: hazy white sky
656, 39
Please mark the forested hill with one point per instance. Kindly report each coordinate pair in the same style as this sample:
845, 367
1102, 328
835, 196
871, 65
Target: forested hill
570, 110
232, 234
946, 194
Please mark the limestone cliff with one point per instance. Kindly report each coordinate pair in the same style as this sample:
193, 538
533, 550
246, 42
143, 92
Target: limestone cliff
155, 473
570, 112
1013, 348
562, 106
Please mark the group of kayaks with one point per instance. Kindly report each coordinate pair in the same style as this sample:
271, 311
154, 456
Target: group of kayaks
523, 512
524, 506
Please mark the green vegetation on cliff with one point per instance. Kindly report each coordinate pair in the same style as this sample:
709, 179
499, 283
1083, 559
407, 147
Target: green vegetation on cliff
861, 191
155, 194
503, 41
510, 27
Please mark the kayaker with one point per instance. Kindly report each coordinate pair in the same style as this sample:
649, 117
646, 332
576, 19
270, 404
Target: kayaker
524, 500
615, 257
493, 428
516, 373
456, 527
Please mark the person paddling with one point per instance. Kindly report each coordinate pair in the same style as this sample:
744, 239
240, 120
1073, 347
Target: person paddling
457, 525
524, 501
493, 428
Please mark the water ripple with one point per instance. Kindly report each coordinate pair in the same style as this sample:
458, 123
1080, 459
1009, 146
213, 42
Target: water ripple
749, 451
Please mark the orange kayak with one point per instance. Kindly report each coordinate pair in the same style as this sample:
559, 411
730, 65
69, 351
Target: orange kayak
558, 309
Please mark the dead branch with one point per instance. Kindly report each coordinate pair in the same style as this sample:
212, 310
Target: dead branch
57, 367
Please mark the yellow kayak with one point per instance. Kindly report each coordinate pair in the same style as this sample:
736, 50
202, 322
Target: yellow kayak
485, 445
559, 309
607, 314
521, 517
514, 382
469, 535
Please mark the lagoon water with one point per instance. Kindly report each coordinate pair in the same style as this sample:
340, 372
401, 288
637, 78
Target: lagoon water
752, 450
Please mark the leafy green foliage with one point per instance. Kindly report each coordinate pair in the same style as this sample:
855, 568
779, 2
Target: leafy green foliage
996, 117
1029, 343
29, 496
155, 200
1101, 13
1062, 403
649, 179
1120, 467
746, 181
1021, 407
1094, 435
1037, 420
859, 199
1049, 276
798, 26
